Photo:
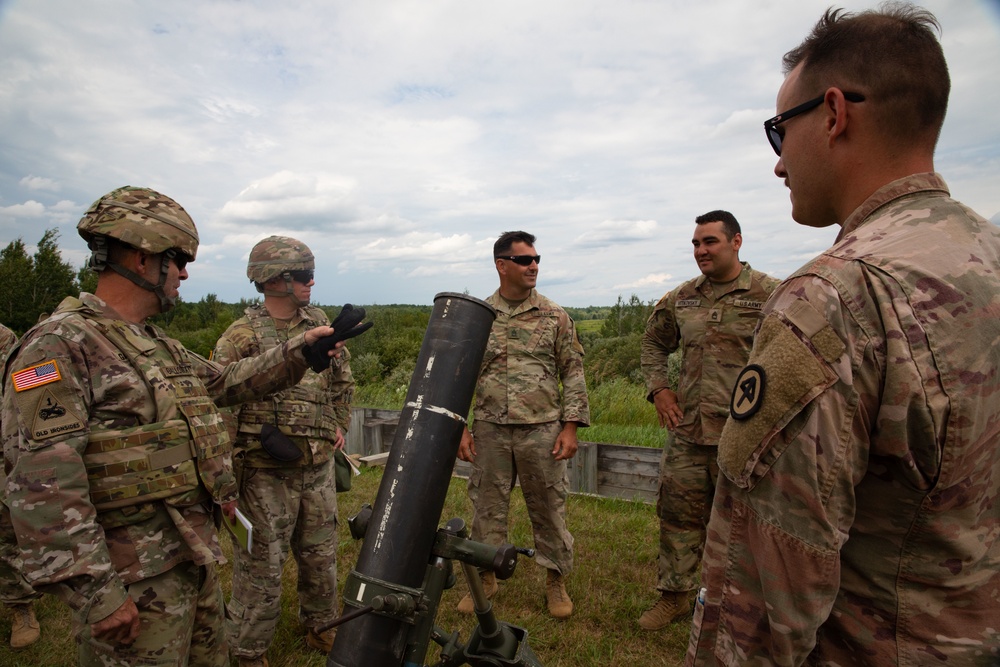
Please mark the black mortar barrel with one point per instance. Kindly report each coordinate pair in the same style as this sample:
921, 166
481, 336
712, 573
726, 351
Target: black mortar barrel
411, 496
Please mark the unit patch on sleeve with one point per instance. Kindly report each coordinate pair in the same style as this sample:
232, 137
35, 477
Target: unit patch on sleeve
37, 375
52, 416
747, 393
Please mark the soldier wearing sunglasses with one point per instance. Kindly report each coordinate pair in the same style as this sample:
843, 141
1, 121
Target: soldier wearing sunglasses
524, 425
855, 520
284, 452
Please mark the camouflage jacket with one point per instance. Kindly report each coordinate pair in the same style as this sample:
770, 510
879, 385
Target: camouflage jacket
856, 522
7, 340
532, 349
65, 548
308, 413
715, 334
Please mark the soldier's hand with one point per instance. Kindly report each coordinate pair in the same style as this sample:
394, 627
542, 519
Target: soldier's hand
667, 408
467, 448
316, 333
347, 324
229, 509
566, 444
339, 442
121, 627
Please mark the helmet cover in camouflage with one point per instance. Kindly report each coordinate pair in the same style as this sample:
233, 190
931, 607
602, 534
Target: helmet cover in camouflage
143, 219
276, 254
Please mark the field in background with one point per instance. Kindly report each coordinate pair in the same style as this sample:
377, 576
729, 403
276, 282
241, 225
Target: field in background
612, 584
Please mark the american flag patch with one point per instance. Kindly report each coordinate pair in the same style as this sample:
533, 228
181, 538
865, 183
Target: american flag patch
36, 376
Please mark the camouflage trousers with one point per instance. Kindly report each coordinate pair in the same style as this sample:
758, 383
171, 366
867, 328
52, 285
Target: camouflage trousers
14, 588
506, 453
688, 474
290, 508
180, 616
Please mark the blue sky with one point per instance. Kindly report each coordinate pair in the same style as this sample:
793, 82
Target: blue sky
398, 138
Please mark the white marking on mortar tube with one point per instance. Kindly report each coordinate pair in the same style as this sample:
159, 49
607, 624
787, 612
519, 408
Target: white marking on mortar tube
385, 516
430, 365
433, 408
361, 591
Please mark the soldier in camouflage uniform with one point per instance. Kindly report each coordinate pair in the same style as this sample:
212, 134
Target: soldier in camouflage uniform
712, 319
15, 591
118, 458
856, 521
524, 427
291, 503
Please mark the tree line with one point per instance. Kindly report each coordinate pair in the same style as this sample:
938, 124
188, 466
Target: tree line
36, 283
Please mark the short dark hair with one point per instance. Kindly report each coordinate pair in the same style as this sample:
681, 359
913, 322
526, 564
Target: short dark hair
891, 56
508, 239
730, 226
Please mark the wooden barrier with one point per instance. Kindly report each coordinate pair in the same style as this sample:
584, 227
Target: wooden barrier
611, 471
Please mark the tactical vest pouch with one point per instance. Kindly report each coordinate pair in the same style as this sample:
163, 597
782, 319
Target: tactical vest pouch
138, 465
278, 445
213, 450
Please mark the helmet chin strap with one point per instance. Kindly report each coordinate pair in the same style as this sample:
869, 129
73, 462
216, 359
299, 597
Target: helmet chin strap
166, 302
289, 292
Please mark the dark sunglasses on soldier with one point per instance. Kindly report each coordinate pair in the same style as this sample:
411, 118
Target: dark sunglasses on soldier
301, 276
775, 136
522, 260
180, 259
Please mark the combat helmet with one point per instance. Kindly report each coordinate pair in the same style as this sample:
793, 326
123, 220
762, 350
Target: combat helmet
279, 256
143, 219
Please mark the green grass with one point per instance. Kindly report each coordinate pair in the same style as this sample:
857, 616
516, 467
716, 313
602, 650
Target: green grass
587, 326
611, 585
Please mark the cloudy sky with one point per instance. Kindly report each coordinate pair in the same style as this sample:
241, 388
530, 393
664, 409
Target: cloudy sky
398, 138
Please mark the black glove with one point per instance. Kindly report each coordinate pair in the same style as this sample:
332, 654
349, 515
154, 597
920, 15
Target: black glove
346, 325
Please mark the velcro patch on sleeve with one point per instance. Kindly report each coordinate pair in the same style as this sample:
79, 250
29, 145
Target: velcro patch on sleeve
796, 373
49, 412
36, 376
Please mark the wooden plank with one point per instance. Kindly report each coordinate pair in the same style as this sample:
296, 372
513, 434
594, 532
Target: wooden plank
375, 459
612, 471
628, 494
582, 468
373, 440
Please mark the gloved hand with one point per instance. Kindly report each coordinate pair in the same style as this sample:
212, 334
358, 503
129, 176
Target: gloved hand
346, 325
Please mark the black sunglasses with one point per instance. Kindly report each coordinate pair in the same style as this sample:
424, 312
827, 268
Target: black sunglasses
179, 257
301, 276
771, 125
522, 260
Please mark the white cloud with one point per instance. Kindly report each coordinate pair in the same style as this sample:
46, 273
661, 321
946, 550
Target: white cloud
652, 280
39, 183
29, 209
399, 138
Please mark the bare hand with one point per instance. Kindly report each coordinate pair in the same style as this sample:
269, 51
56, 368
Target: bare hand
566, 444
229, 509
339, 442
467, 448
667, 408
121, 627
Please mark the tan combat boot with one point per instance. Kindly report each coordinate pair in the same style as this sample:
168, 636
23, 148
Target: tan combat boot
560, 606
671, 606
24, 628
490, 586
321, 641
